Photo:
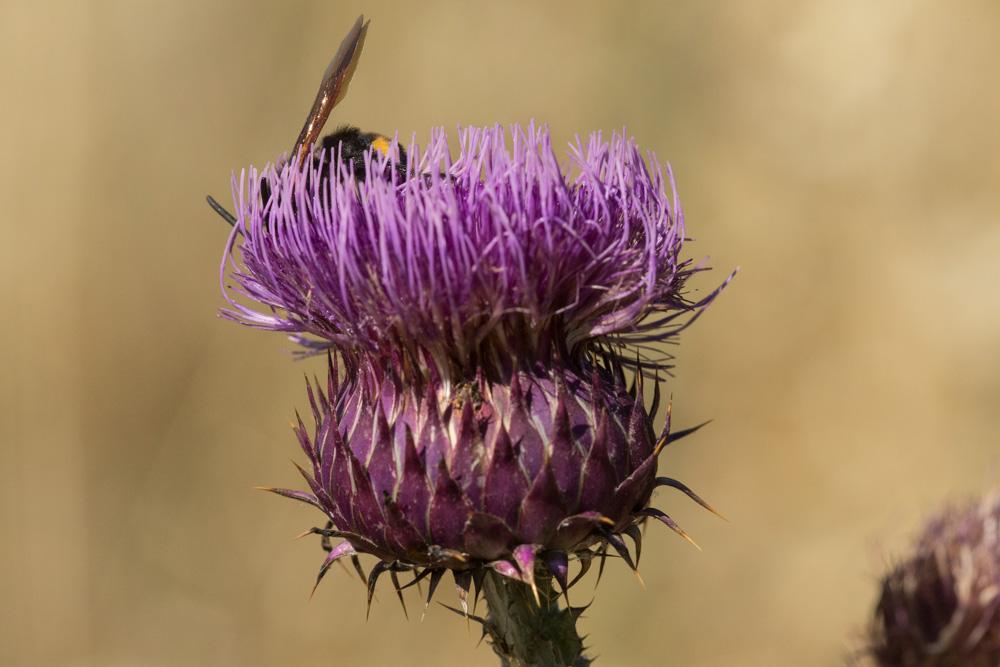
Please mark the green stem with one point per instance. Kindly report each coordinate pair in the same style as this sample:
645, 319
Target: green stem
525, 633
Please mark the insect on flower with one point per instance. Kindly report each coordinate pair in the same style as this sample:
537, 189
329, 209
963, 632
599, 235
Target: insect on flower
347, 144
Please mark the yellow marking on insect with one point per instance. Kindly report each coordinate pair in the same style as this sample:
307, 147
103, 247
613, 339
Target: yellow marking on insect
381, 144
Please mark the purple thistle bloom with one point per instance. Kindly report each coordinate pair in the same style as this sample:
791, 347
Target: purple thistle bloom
469, 262
941, 606
485, 310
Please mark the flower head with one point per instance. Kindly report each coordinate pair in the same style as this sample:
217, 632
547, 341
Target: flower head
485, 310
940, 607
470, 261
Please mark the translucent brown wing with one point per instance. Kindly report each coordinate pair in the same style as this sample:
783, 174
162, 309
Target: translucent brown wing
332, 88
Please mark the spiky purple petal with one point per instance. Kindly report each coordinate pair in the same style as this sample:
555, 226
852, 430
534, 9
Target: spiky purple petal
493, 251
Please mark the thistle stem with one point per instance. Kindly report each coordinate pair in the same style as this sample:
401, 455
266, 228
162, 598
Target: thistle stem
525, 633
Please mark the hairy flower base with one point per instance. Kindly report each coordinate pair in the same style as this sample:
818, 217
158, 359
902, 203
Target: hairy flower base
941, 606
507, 476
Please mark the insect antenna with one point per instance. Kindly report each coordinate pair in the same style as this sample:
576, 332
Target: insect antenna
220, 209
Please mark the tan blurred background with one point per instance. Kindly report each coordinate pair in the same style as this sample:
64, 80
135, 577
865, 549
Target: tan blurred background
845, 154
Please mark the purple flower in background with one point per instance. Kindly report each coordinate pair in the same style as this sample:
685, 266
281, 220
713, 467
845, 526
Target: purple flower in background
484, 311
940, 607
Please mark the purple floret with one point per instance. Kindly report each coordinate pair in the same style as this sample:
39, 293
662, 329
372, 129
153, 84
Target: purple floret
494, 254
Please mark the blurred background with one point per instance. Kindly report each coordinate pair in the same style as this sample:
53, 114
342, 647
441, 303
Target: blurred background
845, 154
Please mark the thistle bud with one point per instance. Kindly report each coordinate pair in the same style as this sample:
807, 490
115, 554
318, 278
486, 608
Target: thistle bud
940, 606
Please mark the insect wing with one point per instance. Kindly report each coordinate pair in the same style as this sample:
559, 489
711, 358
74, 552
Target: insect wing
332, 88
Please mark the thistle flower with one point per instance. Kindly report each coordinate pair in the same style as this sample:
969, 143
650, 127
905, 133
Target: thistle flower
940, 607
485, 310
470, 263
